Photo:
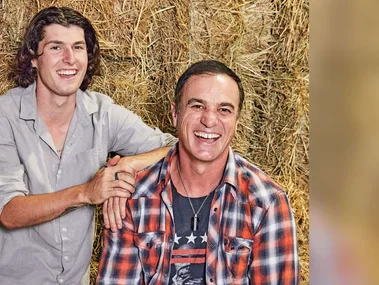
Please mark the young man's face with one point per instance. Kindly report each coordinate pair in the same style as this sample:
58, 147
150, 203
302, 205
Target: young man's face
207, 117
63, 60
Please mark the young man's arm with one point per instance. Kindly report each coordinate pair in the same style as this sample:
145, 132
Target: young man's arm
114, 208
275, 257
23, 211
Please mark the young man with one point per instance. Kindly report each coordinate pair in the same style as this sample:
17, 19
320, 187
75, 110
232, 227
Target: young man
204, 214
55, 136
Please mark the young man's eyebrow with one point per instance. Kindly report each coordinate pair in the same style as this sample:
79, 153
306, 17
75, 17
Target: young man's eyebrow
56, 42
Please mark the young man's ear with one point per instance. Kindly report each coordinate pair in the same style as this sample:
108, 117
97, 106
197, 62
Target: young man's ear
173, 113
33, 60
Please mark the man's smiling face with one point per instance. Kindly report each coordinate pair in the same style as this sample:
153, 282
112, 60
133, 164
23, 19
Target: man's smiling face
62, 61
207, 117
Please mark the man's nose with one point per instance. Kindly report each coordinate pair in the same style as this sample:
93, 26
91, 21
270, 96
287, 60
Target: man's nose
209, 118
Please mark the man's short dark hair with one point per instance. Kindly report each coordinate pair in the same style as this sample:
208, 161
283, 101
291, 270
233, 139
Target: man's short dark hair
207, 67
23, 74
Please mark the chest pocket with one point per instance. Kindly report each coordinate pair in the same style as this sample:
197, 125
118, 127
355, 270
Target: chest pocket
149, 246
238, 256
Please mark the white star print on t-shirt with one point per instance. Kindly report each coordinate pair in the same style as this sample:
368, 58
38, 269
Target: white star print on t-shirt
204, 237
191, 238
177, 238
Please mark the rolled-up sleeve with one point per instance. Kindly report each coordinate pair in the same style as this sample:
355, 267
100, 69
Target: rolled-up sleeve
11, 169
130, 135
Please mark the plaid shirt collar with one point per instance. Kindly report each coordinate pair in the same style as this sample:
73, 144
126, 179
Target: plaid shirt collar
230, 175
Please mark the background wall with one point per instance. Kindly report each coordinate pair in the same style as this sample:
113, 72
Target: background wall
146, 45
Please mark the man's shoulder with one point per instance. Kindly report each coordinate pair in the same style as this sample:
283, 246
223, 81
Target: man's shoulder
148, 180
257, 186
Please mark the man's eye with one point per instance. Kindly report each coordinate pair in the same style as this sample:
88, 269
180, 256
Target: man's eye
197, 106
55, 47
79, 47
225, 110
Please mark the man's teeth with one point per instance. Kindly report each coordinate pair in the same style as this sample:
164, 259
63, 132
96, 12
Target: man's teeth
206, 135
66, 72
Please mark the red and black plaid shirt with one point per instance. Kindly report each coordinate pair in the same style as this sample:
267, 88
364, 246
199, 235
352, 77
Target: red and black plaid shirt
251, 231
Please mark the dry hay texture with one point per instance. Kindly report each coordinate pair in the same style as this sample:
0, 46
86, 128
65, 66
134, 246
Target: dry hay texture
146, 44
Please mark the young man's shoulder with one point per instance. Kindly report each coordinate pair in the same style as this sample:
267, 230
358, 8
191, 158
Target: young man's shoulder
97, 97
10, 101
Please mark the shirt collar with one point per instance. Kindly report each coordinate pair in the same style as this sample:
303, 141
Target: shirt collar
28, 107
86, 105
230, 175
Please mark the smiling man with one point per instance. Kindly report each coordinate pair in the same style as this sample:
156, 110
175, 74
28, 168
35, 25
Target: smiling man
55, 135
204, 214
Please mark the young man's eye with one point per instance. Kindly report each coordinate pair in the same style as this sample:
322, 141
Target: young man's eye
55, 47
79, 47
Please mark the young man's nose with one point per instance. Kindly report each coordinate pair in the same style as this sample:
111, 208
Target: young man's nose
68, 56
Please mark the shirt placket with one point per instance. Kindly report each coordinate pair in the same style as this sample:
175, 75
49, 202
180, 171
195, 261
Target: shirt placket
214, 237
167, 222
67, 232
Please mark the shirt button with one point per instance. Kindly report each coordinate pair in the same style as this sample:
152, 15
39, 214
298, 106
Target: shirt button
64, 229
61, 280
215, 209
211, 280
59, 172
65, 258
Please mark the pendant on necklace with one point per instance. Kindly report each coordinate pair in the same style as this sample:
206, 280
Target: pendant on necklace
194, 222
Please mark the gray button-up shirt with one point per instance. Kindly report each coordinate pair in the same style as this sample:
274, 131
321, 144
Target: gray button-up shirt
59, 251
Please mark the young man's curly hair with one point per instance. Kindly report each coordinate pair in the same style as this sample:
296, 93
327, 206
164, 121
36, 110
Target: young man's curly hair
22, 72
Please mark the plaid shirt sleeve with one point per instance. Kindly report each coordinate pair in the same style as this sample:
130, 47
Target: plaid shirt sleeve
119, 262
275, 257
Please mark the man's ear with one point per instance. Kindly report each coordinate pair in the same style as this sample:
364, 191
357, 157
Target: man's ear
173, 113
235, 129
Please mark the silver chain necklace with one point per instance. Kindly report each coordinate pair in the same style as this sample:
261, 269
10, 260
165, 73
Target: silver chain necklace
195, 219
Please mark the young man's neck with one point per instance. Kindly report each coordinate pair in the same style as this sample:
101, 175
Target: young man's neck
55, 109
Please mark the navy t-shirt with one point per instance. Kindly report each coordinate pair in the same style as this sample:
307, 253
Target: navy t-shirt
188, 255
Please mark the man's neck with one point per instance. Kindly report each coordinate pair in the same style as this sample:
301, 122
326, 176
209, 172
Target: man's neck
197, 178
